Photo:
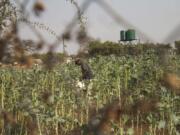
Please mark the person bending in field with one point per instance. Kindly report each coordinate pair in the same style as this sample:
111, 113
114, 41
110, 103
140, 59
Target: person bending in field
85, 69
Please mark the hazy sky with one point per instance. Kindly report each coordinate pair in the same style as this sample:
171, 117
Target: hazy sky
156, 18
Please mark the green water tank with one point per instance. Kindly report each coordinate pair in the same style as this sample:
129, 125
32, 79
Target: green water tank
130, 35
123, 35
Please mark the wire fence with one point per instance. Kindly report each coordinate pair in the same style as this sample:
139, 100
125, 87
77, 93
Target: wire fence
15, 50
19, 14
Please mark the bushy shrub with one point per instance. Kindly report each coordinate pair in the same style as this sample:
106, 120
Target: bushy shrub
108, 48
177, 46
59, 57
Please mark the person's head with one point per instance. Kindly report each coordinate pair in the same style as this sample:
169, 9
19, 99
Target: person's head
78, 61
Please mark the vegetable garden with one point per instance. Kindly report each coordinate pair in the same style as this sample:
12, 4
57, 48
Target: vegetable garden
49, 102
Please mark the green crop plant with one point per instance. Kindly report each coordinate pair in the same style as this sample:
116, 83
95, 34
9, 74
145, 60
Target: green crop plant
52, 100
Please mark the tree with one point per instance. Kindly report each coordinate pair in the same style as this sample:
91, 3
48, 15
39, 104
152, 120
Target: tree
177, 45
7, 12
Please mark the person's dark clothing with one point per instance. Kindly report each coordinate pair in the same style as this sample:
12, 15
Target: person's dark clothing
86, 70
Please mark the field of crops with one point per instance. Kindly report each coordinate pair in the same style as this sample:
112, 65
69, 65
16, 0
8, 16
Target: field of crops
40, 102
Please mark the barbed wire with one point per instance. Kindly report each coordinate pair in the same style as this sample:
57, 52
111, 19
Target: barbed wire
39, 25
82, 36
118, 19
23, 19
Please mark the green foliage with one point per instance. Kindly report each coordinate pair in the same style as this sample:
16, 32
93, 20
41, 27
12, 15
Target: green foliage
108, 48
58, 105
7, 11
177, 46
60, 57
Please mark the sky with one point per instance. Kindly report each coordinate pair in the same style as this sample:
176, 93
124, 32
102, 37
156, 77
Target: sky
155, 18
